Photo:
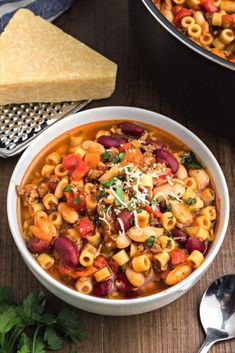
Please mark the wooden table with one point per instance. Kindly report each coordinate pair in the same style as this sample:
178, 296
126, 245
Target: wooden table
104, 26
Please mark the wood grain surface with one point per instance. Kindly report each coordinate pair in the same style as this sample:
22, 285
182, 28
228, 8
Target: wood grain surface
104, 25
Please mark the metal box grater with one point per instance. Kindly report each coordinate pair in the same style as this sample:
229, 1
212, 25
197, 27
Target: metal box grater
21, 123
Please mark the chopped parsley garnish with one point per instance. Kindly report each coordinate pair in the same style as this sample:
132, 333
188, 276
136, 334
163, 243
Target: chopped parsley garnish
77, 200
132, 221
67, 188
120, 196
189, 160
106, 156
118, 157
154, 201
171, 217
173, 198
120, 269
105, 208
128, 169
191, 201
108, 183
150, 241
168, 242
102, 194
29, 328
130, 208
169, 208
139, 210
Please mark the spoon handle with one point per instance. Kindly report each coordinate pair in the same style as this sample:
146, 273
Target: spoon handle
206, 345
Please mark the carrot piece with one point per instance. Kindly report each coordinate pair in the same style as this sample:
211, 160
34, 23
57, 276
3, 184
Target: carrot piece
69, 272
177, 256
100, 261
38, 233
92, 159
133, 156
218, 52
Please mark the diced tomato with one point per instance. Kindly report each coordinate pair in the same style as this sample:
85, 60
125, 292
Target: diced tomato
71, 161
176, 9
77, 202
67, 271
177, 256
85, 227
133, 156
113, 265
125, 147
52, 185
154, 212
181, 14
167, 173
208, 6
80, 171
100, 261
227, 21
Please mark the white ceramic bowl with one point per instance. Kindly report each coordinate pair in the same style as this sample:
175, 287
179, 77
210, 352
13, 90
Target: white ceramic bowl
111, 306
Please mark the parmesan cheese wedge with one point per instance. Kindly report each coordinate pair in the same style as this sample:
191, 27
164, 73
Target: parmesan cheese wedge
41, 63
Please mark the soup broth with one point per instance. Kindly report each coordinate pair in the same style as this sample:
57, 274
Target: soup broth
120, 212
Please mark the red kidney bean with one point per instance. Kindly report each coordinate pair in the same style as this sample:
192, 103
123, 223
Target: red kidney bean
112, 265
179, 235
122, 284
154, 142
112, 141
126, 217
195, 244
131, 129
102, 288
67, 250
37, 246
166, 157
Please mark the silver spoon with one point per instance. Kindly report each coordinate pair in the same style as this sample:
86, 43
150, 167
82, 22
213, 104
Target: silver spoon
217, 311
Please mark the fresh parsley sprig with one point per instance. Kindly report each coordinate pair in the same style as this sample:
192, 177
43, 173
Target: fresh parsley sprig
48, 331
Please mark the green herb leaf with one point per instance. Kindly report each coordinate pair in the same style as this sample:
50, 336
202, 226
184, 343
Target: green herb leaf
118, 157
130, 208
25, 344
48, 331
108, 183
67, 188
150, 241
39, 346
139, 210
101, 194
173, 198
53, 339
189, 160
68, 320
171, 217
191, 201
120, 269
120, 195
106, 156
77, 200
169, 208
154, 202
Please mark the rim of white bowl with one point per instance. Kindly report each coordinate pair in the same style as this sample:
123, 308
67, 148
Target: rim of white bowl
124, 113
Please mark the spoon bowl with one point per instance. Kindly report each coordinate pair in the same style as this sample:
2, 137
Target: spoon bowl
217, 311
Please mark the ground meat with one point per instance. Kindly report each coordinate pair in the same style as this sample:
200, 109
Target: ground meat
156, 248
52, 182
115, 130
42, 190
94, 174
28, 193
